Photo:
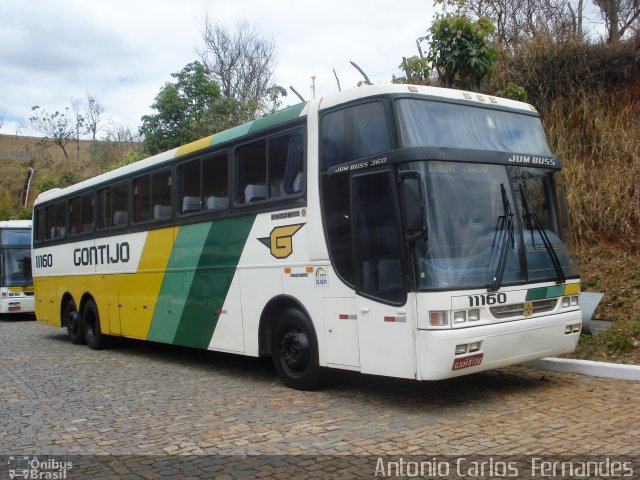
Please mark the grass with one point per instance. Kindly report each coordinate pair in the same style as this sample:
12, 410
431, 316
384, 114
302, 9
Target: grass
614, 270
597, 137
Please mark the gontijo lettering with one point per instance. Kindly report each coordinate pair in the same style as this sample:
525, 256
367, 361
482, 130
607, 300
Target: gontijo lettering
101, 254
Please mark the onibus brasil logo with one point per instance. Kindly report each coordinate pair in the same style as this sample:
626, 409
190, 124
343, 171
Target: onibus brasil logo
280, 240
34, 468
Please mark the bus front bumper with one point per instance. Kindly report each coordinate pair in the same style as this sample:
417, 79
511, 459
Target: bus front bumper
498, 345
17, 305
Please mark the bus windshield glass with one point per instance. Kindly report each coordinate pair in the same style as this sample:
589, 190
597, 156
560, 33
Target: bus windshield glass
438, 124
18, 236
473, 210
16, 267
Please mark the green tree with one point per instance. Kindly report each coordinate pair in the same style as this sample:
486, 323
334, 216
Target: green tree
416, 70
460, 51
186, 110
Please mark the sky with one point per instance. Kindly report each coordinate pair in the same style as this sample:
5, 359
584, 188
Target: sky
123, 51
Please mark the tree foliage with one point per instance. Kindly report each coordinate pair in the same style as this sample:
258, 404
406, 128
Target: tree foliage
190, 108
242, 62
59, 126
619, 16
94, 119
519, 20
416, 69
460, 50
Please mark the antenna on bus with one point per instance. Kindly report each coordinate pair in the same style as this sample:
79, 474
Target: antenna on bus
366, 79
337, 79
297, 94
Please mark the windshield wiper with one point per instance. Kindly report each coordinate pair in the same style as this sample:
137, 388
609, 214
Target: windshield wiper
506, 226
529, 215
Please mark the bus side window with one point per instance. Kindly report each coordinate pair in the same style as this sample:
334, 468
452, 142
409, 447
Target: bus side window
141, 198
81, 214
113, 207
190, 189
252, 172
215, 182
40, 224
354, 132
55, 221
161, 195
293, 181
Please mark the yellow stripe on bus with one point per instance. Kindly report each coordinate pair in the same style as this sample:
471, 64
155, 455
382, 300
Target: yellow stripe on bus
139, 293
194, 146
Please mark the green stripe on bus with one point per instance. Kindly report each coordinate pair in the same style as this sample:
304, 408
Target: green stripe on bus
556, 291
545, 292
178, 278
277, 118
537, 294
210, 285
263, 123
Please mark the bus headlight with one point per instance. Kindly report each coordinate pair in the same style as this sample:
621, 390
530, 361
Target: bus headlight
459, 317
474, 315
474, 347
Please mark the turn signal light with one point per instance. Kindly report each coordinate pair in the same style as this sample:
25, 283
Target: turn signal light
438, 319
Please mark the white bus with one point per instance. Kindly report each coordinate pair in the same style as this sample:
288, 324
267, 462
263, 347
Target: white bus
16, 283
405, 231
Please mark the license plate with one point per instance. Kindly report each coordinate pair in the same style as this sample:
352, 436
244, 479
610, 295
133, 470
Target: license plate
14, 309
466, 362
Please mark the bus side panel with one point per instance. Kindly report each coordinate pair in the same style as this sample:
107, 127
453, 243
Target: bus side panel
43, 299
138, 293
214, 273
257, 287
187, 249
194, 290
229, 335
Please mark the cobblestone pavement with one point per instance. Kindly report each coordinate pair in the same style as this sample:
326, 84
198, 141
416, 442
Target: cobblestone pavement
140, 398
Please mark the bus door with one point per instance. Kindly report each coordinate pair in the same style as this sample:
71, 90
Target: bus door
385, 311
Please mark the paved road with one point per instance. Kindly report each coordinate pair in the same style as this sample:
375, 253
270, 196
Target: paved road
137, 398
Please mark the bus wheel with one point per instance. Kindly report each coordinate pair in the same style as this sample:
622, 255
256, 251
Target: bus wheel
71, 319
91, 326
294, 349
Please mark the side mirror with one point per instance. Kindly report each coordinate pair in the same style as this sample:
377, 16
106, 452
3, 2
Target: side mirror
413, 204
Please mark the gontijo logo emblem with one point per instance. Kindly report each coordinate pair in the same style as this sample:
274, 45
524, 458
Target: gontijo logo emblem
280, 241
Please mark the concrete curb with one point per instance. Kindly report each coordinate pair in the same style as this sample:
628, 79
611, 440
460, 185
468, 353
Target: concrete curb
588, 367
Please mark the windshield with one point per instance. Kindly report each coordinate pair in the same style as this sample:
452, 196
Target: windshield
468, 221
16, 267
20, 236
438, 124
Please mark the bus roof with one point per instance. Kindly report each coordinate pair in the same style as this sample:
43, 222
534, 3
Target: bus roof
472, 98
15, 223
284, 116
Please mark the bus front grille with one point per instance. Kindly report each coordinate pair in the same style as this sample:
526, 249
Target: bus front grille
518, 309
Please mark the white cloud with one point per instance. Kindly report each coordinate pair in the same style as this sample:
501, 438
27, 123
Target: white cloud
124, 51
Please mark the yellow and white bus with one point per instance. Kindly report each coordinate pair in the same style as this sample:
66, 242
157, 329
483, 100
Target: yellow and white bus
406, 231
16, 283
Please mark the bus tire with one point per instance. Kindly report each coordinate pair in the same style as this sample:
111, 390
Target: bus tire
95, 339
71, 318
294, 350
